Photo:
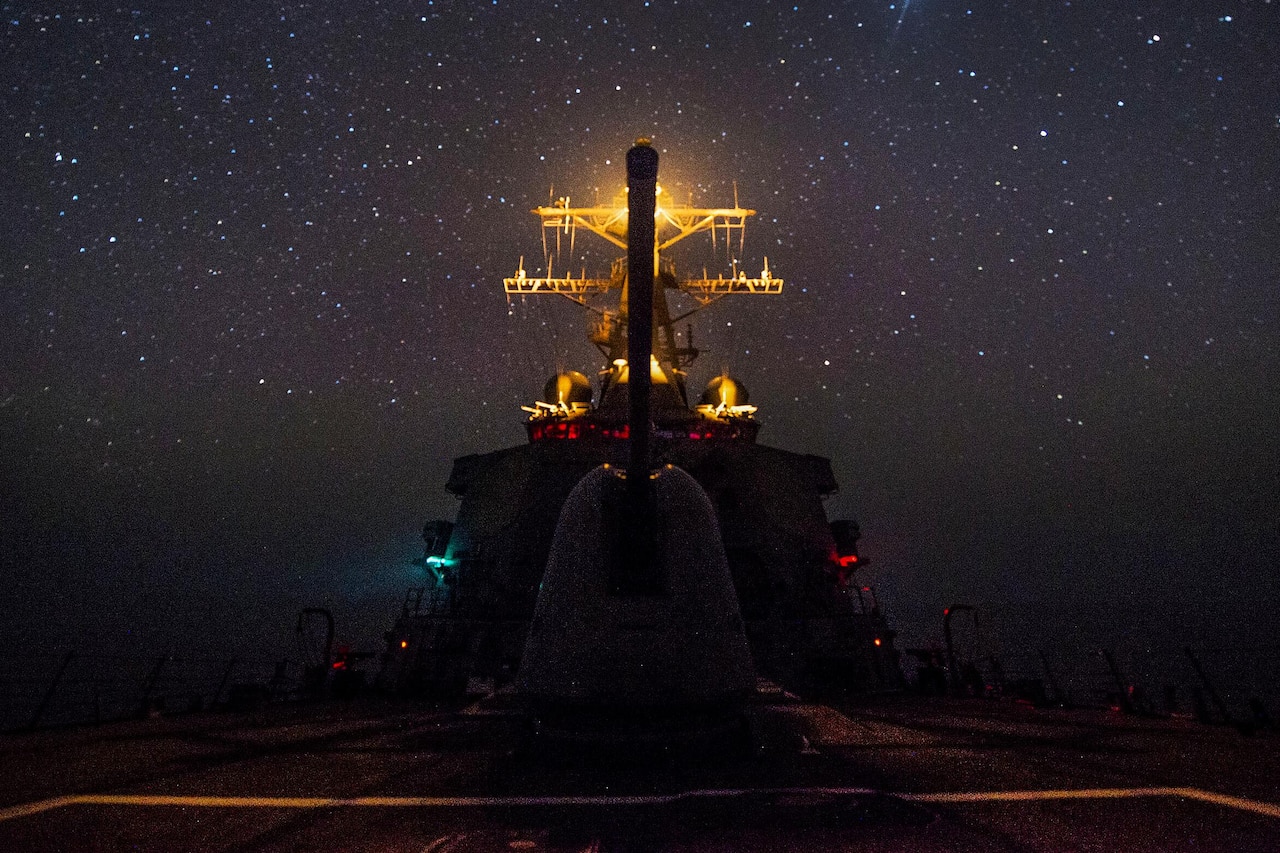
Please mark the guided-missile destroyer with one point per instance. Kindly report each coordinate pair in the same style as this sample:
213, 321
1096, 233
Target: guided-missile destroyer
806, 619
635, 569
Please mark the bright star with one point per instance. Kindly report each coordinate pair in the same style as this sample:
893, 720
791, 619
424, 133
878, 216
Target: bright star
903, 14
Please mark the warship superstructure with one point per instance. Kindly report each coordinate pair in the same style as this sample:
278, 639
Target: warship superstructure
794, 572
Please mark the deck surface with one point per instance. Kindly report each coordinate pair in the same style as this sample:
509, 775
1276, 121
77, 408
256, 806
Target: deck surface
904, 774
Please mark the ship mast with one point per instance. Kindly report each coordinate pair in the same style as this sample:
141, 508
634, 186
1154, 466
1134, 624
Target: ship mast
639, 572
672, 223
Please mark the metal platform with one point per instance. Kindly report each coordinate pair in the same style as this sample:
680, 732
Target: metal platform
893, 774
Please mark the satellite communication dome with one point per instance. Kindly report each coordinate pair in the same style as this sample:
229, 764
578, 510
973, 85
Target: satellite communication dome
725, 391
567, 387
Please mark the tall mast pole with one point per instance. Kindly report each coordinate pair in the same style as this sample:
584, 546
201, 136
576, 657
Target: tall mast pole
639, 570
642, 181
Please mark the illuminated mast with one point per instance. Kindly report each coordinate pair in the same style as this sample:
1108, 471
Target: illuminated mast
672, 223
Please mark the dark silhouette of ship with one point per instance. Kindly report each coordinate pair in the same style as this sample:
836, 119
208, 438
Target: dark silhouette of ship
794, 572
633, 569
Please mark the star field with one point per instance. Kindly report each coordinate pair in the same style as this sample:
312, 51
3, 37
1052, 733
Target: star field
252, 302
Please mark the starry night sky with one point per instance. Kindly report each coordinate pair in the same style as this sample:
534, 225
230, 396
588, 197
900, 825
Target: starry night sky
251, 302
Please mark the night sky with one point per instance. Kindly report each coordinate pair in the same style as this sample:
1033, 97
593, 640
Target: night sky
251, 302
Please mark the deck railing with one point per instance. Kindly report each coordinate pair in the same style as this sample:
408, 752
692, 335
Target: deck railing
77, 688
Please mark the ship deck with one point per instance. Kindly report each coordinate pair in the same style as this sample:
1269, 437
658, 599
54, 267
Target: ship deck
889, 774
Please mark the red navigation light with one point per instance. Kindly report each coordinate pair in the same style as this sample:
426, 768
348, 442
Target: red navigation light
848, 560
576, 430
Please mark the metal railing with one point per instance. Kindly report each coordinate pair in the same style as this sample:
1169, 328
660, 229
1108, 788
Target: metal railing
1238, 686
76, 688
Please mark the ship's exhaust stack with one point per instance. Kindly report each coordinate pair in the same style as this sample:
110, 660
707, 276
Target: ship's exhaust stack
637, 627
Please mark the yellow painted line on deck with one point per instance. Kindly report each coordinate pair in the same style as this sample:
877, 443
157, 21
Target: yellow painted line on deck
1268, 809
1241, 803
946, 797
34, 808
1061, 794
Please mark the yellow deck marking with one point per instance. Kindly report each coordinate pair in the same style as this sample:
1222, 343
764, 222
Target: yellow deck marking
34, 808
1062, 794
1268, 809
952, 797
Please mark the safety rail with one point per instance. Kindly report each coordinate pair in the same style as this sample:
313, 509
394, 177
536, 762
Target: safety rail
1237, 686
74, 688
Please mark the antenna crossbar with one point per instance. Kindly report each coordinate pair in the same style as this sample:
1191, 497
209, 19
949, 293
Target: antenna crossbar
610, 223
671, 225
709, 289
523, 285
